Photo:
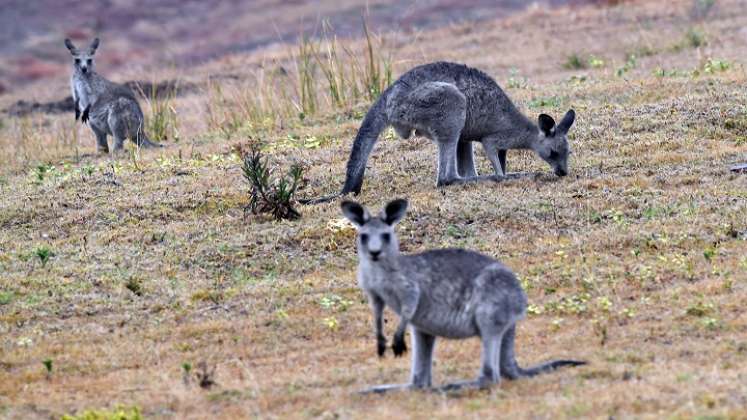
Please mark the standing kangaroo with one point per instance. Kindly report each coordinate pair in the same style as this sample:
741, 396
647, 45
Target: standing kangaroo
452, 293
455, 105
110, 108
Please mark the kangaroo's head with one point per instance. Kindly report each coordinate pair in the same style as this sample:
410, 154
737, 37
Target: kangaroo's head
376, 237
82, 59
552, 144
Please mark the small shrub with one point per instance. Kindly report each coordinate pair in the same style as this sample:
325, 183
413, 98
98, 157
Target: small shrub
186, 372
48, 366
270, 195
42, 171
693, 38
700, 309
574, 62
43, 253
135, 285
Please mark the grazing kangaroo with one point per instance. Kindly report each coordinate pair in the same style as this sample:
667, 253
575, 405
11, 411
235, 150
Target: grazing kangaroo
452, 293
110, 108
455, 105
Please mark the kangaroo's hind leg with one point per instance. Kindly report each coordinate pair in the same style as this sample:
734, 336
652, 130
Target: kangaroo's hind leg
118, 125
489, 367
494, 155
466, 160
502, 160
509, 367
101, 145
422, 358
422, 361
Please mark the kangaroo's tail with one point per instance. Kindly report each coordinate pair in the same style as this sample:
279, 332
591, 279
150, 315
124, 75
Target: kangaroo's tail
373, 124
548, 367
510, 368
144, 141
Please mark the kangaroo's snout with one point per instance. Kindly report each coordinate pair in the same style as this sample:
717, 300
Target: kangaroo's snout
374, 255
561, 172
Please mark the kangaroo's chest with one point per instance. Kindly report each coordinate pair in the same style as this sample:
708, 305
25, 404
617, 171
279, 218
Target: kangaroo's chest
83, 92
381, 285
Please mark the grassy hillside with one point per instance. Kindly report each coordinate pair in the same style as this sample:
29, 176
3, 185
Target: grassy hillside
124, 280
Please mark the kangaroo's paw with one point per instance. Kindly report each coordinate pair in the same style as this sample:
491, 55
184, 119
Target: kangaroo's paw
398, 345
84, 116
380, 345
382, 389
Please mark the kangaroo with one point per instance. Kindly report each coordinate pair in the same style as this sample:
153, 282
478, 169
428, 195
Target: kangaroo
454, 106
110, 108
451, 293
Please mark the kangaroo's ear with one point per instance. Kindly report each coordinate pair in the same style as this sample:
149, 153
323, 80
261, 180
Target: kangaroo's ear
354, 212
394, 211
70, 46
567, 121
547, 125
94, 45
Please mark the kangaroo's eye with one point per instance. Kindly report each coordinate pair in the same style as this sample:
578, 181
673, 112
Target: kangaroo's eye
88, 61
77, 61
554, 155
386, 237
364, 237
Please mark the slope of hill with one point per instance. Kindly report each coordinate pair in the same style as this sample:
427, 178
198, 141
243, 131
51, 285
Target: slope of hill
140, 282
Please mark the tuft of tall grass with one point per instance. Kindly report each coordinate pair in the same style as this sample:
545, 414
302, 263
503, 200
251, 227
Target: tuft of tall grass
162, 122
307, 77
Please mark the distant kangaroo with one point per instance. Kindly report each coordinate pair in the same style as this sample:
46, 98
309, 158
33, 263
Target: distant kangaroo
452, 293
455, 105
110, 108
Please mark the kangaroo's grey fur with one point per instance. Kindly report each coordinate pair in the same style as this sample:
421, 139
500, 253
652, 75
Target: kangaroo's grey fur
109, 108
455, 105
452, 293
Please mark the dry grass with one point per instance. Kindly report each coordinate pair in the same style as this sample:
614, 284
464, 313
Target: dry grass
123, 272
